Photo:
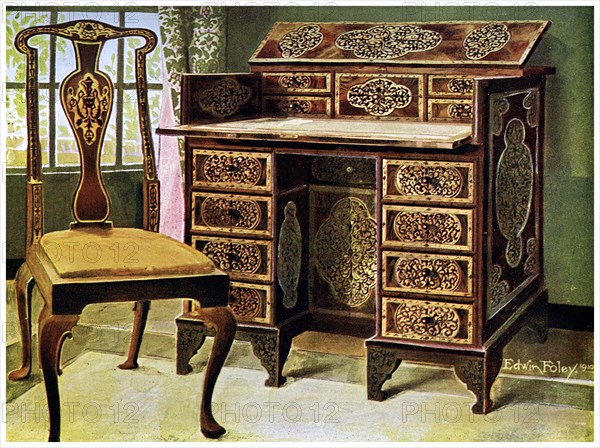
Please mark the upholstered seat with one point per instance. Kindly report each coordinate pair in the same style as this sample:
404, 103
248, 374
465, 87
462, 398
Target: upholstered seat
119, 252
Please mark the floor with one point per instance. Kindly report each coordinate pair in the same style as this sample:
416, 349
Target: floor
324, 399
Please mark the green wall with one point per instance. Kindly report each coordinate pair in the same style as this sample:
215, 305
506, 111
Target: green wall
568, 46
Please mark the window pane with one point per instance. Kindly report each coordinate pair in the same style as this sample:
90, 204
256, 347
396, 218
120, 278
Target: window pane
153, 60
16, 139
132, 152
15, 61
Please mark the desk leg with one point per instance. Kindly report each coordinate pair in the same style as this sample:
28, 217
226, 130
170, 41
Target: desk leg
272, 349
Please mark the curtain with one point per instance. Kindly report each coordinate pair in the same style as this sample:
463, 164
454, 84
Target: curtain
193, 41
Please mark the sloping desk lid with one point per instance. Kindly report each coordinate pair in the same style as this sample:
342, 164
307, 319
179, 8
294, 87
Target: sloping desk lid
432, 43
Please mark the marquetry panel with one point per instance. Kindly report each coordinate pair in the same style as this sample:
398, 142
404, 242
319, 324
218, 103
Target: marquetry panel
249, 302
427, 321
440, 43
379, 96
448, 275
451, 86
288, 105
428, 181
229, 170
427, 228
242, 259
297, 83
450, 110
231, 214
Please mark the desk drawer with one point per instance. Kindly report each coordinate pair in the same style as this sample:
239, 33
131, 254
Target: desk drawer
292, 106
231, 214
297, 82
428, 181
242, 259
250, 302
424, 320
451, 86
450, 110
381, 96
427, 227
228, 170
448, 275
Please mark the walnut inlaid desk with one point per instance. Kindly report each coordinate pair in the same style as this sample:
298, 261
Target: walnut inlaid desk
379, 180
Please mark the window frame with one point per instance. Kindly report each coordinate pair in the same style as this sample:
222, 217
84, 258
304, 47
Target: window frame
121, 88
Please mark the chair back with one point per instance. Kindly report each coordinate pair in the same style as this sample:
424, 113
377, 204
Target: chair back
86, 96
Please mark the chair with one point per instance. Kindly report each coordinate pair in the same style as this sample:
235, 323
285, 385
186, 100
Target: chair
79, 266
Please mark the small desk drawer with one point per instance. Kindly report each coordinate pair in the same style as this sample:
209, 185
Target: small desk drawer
250, 302
242, 259
450, 110
427, 227
448, 275
229, 214
449, 85
231, 170
313, 106
424, 320
428, 181
297, 82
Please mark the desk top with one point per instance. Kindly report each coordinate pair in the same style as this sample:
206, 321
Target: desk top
356, 131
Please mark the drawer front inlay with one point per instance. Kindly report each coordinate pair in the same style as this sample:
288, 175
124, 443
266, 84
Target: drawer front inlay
297, 82
420, 227
424, 181
454, 86
242, 259
427, 321
450, 110
250, 302
379, 96
297, 105
231, 170
231, 213
429, 274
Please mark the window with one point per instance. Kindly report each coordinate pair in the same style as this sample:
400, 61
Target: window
122, 145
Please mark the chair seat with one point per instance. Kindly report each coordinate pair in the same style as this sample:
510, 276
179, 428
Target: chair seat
116, 252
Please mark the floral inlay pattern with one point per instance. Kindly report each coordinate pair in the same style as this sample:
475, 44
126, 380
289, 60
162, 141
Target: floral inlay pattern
426, 321
297, 42
531, 264
498, 107
245, 302
234, 257
379, 96
345, 251
485, 40
240, 170
224, 98
427, 274
530, 102
289, 256
498, 288
425, 180
514, 189
388, 42
295, 82
89, 106
439, 228
460, 110
460, 85
230, 213
294, 106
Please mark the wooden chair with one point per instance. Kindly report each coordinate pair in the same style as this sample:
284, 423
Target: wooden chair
80, 266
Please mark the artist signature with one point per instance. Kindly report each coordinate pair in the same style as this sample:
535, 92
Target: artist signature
546, 367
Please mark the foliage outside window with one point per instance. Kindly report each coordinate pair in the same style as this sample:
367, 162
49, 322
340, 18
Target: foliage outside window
122, 145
